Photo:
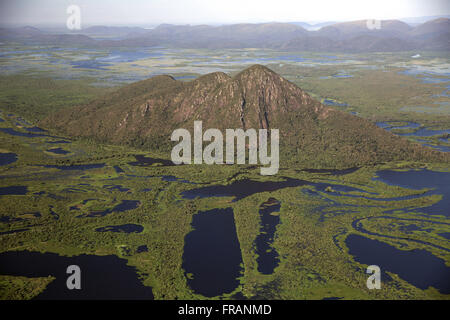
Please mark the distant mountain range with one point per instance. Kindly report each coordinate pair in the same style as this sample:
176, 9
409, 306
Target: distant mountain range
355, 36
414, 21
144, 114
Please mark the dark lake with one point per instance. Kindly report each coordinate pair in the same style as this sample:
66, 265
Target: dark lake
240, 189
142, 160
7, 158
123, 206
418, 267
57, 141
13, 132
212, 253
58, 151
13, 190
420, 179
34, 129
142, 248
342, 76
130, 56
440, 148
420, 132
330, 102
267, 256
90, 64
102, 277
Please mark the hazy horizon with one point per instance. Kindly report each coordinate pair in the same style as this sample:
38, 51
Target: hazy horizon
150, 13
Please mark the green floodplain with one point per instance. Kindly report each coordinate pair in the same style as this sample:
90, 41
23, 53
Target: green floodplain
310, 238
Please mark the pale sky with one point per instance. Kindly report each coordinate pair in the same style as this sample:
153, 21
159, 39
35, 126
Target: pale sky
151, 12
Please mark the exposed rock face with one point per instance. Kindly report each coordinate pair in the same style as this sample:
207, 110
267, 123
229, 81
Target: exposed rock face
145, 113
